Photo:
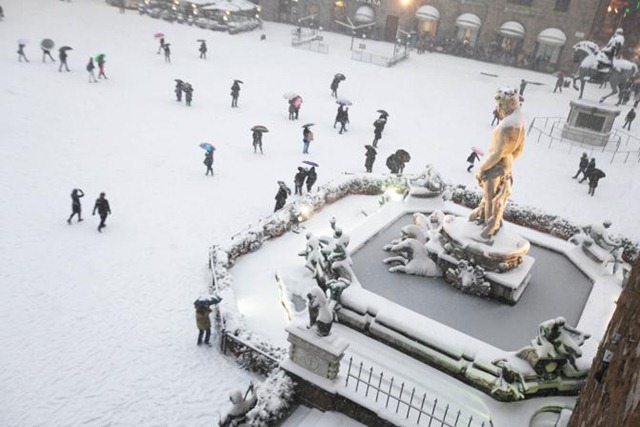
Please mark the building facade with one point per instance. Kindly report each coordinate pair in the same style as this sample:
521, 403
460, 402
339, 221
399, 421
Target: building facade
529, 33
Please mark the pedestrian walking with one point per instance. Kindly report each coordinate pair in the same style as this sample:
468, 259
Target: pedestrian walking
235, 93
256, 136
21, 54
179, 89
582, 166
559, 82
62, 55
281, 196
370, 157
523, 86
188, 93
496, 117
46, 53
296, 102
101, 62
76, 208
203, 322
208, 162
472, 159
378, 128
334, 85
292, 110
121, 5
343, 120
298, 180
90, 68
307, 137
595, 176
630, 117
103, 208
312, 177
590, 167
203, 50
338, 114
161, 47
167, 52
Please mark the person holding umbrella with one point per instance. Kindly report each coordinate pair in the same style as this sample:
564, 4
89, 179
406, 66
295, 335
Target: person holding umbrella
298, 180
188, 93
378, 127
335, 83
21, 54
161, 47
203, 322
307, 137
102, 205
595, 176
46, 52
296, 103
208, 161
281, 196
179, 89
590, 168
235, 93
256, 136
90, 68
370, 158
101, 61
76, 208
312, 177
203, 49
343, 119
167, 52
62, 55
472, 159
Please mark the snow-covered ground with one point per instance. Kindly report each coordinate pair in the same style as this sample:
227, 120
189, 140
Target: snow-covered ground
99, 329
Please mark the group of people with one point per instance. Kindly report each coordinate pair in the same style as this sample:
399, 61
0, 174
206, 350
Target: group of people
304, 175
342, 117
62, 56
186, 88
587, 167
101, 205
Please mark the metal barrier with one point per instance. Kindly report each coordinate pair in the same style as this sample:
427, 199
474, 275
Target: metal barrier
312, 42
437, 414
249, 357
372, 58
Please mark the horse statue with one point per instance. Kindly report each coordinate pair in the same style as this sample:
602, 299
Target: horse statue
412, 258
586, 52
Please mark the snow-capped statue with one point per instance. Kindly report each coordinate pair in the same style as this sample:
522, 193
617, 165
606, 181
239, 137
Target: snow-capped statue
510, 384
319, 314
312, 253
555, 341
468, 278
602, 238
612, 50
335, 287
427, 184
599, 245
494, 175
410, 231
240, 407
413, 259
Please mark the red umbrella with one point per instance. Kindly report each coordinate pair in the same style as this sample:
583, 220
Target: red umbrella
478, 151
158, 35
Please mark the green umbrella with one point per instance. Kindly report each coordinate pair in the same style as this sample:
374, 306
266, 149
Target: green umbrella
97, 57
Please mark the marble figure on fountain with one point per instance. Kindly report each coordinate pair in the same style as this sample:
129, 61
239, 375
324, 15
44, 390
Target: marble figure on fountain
510, 384
427, 184
320, 315
412, 258
600, 246
469, 279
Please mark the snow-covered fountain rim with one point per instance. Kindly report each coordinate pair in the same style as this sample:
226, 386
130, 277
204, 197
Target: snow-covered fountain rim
222, 257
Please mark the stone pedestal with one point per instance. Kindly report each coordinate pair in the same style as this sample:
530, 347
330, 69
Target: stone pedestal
320, 355
590, 122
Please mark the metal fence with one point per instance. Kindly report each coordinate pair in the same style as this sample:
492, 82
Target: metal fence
249, 357
622, 147
373, 58
412, 404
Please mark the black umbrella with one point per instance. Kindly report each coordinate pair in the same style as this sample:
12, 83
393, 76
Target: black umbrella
308, 124
206, 301
340, 76
403, 155
260, 128
178, 81
201, 40
238, 81
47, 44
383, 113
63, 48
371, 149
597, 173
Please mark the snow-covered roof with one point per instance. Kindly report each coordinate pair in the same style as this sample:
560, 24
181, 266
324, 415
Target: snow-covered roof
552, 36
428, 13
512, 29
469, 20
229, 5
364, 15
199, 2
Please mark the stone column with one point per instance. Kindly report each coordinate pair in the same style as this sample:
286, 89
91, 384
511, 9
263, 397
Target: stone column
319, 355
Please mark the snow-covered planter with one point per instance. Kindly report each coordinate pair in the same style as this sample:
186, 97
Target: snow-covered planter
275, 395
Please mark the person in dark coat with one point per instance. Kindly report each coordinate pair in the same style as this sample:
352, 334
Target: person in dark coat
523, 86
281, 196
338, 114
378, 128
203, 322
257, 140
101, 62
370, 157
595, 176
496, 117
208, 161
121, 5
235, 93
631, 116
307, 137
179, 89
343, 119
76, 208
292, 110
582, 166
62, 55
45, 53
103, 208
188, 93
90, 68
334, 86
21, 54
203, 50
559, 82
298, 180
392, 163
472, 159
161, 47
312, 177
167, 52
590, 167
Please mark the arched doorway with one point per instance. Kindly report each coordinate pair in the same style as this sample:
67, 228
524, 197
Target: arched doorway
468, 28
428, 17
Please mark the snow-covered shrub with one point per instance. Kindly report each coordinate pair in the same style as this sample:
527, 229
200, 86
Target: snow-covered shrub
275, 396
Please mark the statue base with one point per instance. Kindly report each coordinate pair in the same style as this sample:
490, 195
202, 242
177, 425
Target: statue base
503, 258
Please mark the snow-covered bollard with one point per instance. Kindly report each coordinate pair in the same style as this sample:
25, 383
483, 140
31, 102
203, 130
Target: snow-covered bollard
316, 354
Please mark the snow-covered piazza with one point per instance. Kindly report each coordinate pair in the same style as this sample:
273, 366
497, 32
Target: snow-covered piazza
356, 279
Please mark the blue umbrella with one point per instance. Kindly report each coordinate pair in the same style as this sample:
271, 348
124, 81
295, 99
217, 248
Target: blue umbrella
310, 163
207, 146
